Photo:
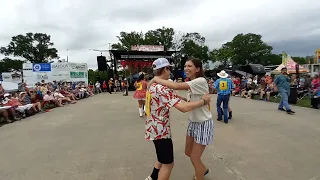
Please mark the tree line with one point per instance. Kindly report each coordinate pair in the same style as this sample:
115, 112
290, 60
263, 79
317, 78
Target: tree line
242, 49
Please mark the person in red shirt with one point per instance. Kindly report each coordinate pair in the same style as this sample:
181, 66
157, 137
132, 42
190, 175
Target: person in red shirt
159, 100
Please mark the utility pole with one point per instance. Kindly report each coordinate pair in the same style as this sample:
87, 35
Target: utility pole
67, 55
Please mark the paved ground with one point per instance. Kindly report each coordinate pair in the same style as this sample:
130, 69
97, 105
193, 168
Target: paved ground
101, 138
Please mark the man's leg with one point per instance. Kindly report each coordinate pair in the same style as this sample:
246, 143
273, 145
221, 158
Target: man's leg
219, 101
225, 108
286, 103
164, 150
282, 94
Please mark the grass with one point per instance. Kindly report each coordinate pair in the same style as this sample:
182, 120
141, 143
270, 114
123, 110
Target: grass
305, 102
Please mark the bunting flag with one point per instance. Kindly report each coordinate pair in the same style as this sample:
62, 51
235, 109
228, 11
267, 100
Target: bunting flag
284, 58
135, 64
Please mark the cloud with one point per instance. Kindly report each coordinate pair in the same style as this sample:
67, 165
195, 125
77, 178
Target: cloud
80, 25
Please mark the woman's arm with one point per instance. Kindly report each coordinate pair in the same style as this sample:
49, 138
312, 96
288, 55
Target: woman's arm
171, 85
183, 98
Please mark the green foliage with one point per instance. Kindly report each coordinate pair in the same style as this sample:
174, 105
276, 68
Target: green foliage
243, 49
193, 45
161, 36
35, 48
7, 64
301, 60
94, 76
271, 59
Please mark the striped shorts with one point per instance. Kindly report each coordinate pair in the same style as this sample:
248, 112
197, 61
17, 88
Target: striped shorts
202, 132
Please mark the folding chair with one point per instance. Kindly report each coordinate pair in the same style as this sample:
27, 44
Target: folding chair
276, 97
306, 93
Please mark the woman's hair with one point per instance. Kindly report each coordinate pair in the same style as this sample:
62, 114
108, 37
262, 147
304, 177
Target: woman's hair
198, 64
141, 77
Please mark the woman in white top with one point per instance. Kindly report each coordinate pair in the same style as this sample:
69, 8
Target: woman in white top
200, 128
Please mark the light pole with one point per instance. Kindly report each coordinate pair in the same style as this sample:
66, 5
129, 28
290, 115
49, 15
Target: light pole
67, 55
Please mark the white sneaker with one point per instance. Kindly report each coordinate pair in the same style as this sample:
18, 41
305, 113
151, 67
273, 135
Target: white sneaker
148, 178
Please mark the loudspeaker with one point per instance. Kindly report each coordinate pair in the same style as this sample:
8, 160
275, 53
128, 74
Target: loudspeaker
102, 63
183, 62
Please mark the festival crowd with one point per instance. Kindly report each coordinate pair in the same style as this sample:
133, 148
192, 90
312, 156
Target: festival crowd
262, 88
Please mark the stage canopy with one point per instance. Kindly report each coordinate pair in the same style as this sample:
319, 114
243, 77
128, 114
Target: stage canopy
291, 67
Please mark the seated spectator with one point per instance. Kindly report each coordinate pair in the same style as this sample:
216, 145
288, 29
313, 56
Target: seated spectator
15, 103
269, 91
5, 115
50, 99
25, 98
66, 93
43, 88
245, 90
253, 91
236, 90
1, 91
315, 86
57, 95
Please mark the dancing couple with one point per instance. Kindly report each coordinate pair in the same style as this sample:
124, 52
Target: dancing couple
160, 98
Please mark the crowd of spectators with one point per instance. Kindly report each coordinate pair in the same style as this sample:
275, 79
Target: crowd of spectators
28, 101
262, 88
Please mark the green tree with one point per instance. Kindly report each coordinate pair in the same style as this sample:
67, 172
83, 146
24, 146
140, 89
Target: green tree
35, 48
222, 55
300, 60
161, 36
193, 45
7, 65
92, 76
247, 48
126, 40
271, 59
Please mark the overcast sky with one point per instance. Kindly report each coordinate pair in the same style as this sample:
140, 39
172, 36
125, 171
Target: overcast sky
292, 26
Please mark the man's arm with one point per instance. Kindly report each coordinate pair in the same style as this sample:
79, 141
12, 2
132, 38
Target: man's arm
183, 98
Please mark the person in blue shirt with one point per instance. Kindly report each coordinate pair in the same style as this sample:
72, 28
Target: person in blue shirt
224, 86
282, 84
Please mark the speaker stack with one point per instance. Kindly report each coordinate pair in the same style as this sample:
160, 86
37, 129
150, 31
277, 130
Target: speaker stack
102, 63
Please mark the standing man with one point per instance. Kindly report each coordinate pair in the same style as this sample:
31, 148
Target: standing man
159, 100
282, 85
224, 86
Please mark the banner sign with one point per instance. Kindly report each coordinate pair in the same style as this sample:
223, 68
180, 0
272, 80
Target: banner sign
41, 67
61, 71
60, 66
77, 74
78, 66
149, 48
42, 76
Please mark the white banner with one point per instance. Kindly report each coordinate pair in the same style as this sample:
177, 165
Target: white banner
78, 67
63, 71
59, 67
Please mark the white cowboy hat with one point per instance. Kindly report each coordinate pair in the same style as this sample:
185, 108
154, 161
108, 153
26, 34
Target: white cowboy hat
222, 74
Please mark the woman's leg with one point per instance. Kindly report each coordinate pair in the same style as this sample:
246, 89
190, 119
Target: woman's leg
144, 105
188, 145
195, 156
140, 107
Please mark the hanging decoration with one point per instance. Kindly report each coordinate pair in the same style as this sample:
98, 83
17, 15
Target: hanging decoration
135, 64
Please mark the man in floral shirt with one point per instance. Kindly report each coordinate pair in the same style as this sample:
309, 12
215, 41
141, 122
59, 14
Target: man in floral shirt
159, 100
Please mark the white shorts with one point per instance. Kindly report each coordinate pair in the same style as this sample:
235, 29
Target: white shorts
23, 108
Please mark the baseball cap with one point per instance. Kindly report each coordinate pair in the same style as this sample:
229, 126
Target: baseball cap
160, 63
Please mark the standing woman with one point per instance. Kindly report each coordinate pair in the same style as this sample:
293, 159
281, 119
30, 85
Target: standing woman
140, 93
200, 128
